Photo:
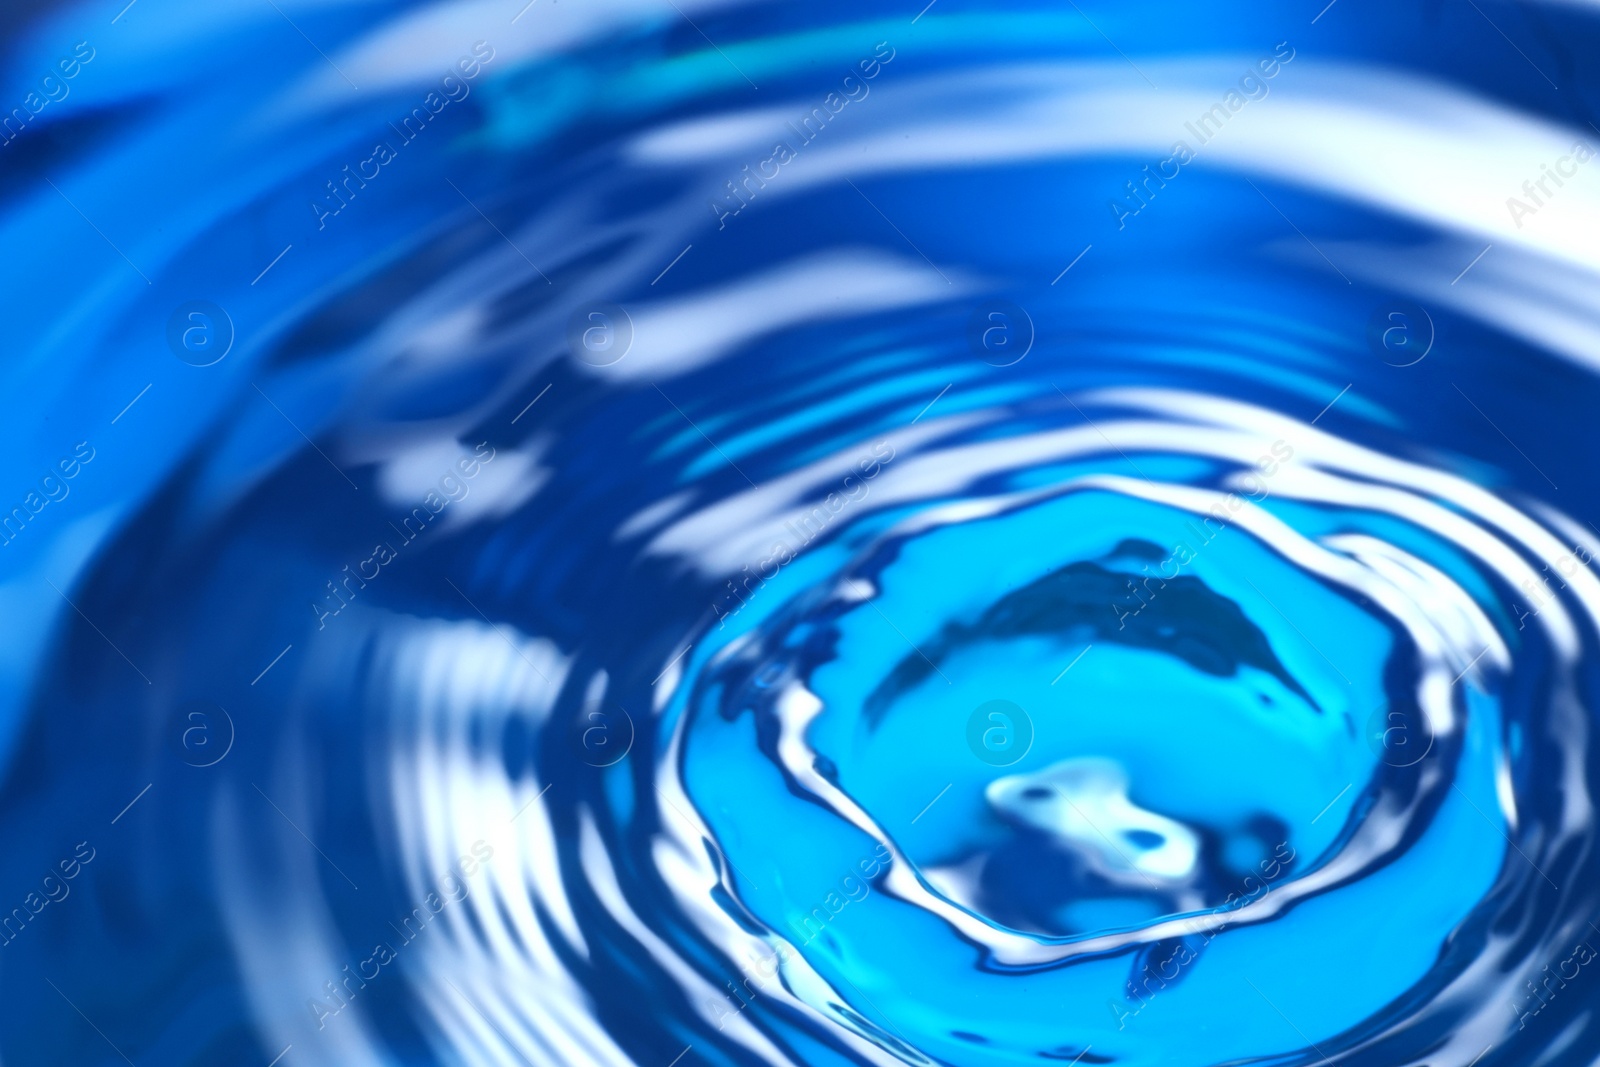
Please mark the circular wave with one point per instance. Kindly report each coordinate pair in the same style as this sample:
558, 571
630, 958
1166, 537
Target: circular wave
674, 571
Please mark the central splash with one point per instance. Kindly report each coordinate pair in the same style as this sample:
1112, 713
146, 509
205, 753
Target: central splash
877, 605
1091, 745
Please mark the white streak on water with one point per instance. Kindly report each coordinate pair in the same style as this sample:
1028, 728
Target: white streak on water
1452, 158
675, 336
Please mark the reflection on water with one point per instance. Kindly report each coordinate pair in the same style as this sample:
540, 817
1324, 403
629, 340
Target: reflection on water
635, 534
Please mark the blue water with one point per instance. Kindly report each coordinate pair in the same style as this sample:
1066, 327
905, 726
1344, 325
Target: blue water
722, 534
